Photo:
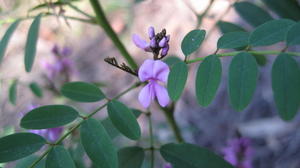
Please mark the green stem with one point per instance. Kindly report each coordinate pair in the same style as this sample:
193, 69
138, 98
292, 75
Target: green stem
102, 21
151, 140
78, 124
169, 114
266, 52
80, 11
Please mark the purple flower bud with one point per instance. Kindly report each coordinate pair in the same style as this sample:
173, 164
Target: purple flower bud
151, 32
162, 42
153, 43
55, 50
165, 50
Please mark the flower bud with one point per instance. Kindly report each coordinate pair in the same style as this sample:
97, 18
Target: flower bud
163, 42
153, 43
165, 50
151, 32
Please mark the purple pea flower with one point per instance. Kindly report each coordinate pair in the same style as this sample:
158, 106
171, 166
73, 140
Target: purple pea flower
157, 42
168, 165
155, 72
239, 152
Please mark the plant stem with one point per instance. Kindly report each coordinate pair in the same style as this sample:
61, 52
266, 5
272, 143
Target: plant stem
102, 21
151, 140
169, 114
79, 123
266, 52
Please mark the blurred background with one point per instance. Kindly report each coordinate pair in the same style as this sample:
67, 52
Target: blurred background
69, 50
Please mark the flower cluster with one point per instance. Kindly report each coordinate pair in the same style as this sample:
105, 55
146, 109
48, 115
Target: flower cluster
158, 42
62, 64
239, 152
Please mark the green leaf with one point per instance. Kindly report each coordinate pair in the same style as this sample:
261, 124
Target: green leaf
82, 92
171, 60
131, 157
270, 32
98, 145
252, 13
19, 145
260, 59
293, 35
191, 156
208, 79
227, 27
243, 75
13, 92
5, 39
59, 157
192, 41
36, 90
49, 116
286, 86
111, 129
285, 8
26, 162
233, 40
123, 119
31, 43
177, 79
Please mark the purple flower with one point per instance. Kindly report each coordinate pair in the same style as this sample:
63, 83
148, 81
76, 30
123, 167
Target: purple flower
155, 72
168, 165
239, 152
157, 42
51, 134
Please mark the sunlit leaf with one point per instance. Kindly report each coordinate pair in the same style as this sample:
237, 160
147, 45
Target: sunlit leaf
285, 8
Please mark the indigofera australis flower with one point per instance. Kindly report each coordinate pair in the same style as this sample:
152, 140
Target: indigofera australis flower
156, 73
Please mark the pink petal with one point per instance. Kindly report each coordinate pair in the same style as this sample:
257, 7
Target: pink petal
161, 71
161, 95
146, 95
140, 42
146, 70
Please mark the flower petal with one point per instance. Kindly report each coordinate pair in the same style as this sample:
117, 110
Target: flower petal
160, 71
162, 42
161, 95
140, 42
151, 32
146, 95
165, 50
146, 70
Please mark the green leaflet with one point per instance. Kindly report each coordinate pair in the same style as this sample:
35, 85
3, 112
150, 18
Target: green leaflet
243, 75
286, 86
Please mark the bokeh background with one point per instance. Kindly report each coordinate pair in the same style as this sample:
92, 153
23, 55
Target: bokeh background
273, 142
